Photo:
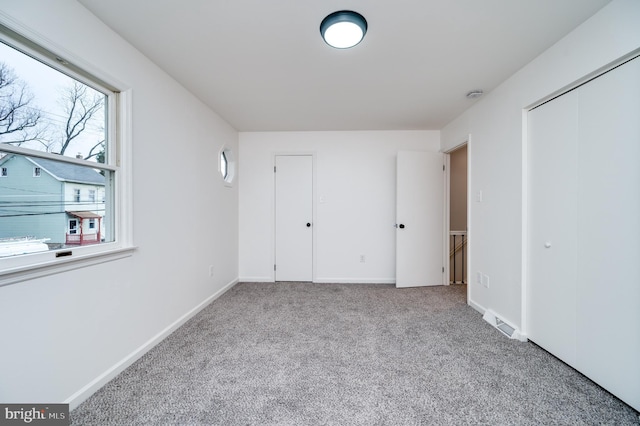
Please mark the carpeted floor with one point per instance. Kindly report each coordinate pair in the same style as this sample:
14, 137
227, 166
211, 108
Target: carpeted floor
333, 354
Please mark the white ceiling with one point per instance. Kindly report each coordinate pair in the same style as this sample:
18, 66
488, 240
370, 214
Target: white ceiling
263, 66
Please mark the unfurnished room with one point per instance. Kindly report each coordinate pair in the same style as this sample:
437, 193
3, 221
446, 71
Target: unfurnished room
243, 212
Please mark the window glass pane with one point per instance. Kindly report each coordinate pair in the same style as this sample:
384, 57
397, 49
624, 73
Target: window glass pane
43, 109
56, 210
223, 165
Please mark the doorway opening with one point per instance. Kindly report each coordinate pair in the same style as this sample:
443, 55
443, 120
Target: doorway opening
457, 215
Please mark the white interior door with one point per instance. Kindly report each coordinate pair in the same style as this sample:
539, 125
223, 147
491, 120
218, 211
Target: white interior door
294, 212
553, 234
419, 219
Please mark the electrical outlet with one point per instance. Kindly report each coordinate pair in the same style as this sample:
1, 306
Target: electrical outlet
485, 280
363, 258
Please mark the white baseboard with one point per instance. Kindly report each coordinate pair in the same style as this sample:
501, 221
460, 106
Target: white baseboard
256, 279
325, 280
355, 280
81, 395
481, 309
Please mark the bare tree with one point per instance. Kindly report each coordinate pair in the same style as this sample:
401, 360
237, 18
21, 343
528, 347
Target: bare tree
96, 151
19, 121
81, 108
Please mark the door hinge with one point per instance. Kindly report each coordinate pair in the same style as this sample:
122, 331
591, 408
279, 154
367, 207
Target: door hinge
443, 269
443, 167
274, 266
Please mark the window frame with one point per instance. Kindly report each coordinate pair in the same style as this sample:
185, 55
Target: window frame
228, 172
15, 269
37, 171
4, 172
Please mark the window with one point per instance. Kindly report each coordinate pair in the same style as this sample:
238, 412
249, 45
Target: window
227, 165
4, 172
63, 124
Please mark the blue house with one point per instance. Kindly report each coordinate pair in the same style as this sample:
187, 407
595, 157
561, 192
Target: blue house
45, 199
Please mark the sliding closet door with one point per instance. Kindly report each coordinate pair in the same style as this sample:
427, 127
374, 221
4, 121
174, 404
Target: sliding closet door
584, 229
553, 239
608, 300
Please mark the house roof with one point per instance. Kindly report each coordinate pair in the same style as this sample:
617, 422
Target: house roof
69, 172
84, 214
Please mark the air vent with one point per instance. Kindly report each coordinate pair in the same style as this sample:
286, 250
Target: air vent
502, 326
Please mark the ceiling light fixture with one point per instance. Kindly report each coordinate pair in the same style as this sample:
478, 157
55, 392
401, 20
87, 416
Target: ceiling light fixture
475, 94
343, 29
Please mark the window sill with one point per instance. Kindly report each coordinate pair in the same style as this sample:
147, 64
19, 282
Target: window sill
37, 270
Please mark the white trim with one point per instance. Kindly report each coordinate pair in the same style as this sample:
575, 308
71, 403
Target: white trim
63, 264
314, 208
26, 152
466, 142
469, 217
90, 388
355, 281
524, 259
477, 307
123, 221
256, 279
585, 79
446, 260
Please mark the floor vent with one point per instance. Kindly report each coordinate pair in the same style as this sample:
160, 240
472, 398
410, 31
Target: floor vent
502, 326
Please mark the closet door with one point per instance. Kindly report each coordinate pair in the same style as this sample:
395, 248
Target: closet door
584, 229
608, 297
553, 171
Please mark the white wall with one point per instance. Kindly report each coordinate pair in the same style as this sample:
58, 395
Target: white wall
495, 124
63, 332
355, 175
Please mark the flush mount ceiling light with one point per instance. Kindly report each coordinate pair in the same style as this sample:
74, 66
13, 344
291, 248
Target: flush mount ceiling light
475, 94
343, 29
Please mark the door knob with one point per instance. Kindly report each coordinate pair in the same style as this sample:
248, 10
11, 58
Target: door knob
401, 226
547, 244
308, 225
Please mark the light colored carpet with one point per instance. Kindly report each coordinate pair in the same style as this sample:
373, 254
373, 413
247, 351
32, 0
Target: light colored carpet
333, 354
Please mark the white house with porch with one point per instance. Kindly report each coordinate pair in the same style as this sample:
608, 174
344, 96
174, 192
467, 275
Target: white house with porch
44, 199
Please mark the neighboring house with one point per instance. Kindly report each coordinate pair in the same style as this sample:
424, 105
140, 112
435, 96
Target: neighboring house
45, 199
